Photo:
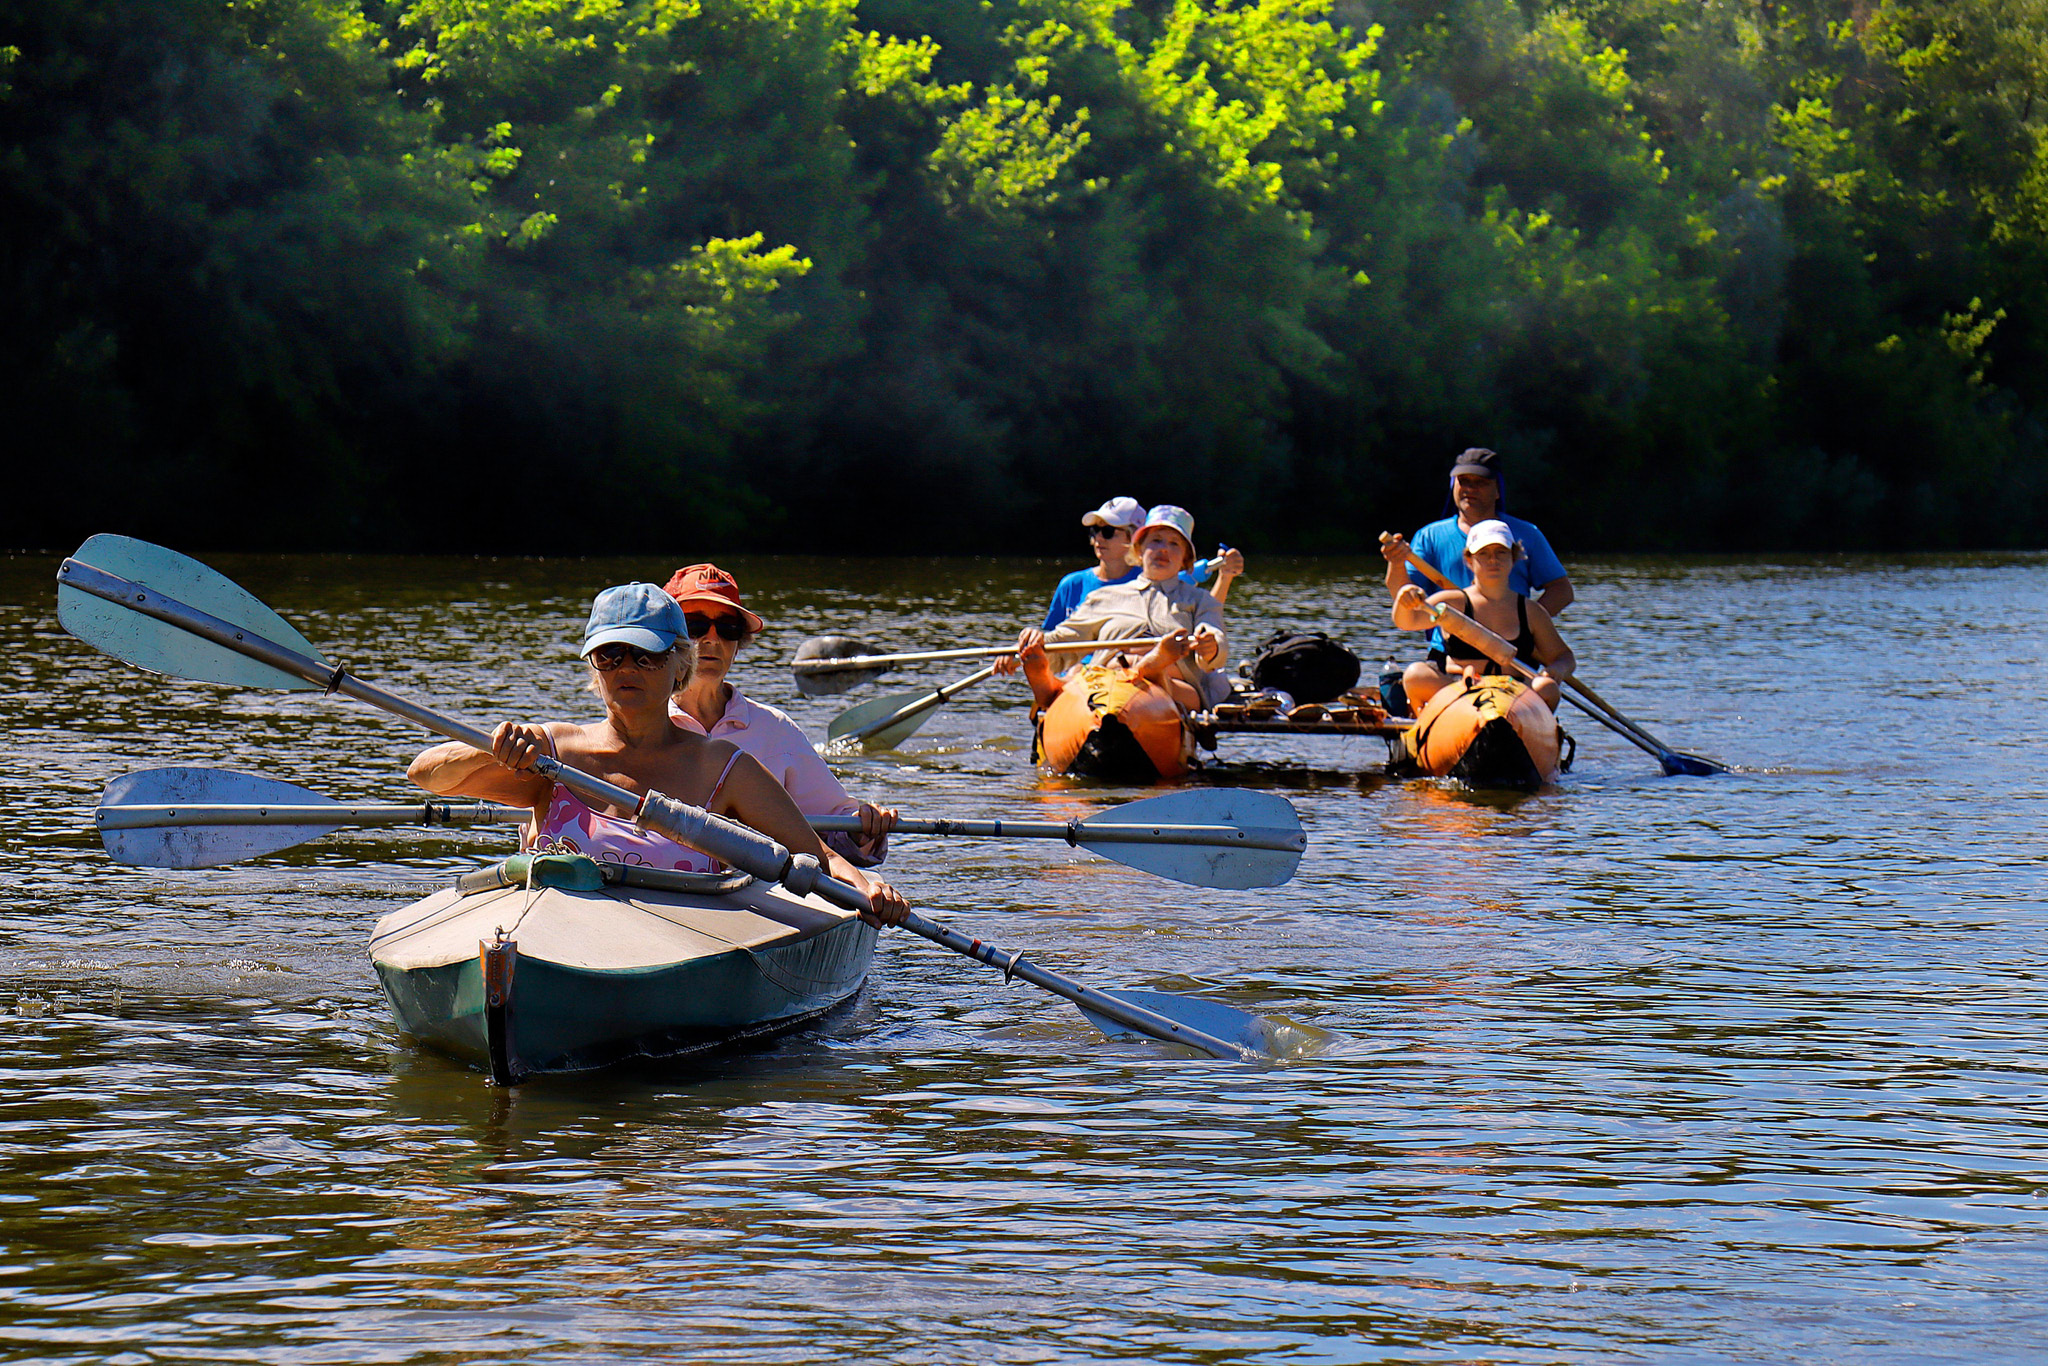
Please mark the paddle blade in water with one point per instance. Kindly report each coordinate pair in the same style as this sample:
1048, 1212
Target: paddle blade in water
161, 647
859, 718
826, 682
204, 846
1689, 765
1227, 1023
1268, 818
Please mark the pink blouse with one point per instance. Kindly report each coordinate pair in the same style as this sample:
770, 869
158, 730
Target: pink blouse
569, 825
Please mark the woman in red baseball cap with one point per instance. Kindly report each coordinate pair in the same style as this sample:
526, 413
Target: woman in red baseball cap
719, 624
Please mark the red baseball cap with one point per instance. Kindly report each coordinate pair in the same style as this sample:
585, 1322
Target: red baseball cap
711, 586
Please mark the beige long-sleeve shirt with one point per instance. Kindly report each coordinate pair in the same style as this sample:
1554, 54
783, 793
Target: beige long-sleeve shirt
1141, 608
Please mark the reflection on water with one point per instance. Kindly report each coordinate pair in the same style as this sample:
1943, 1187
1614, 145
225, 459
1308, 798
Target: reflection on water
1637, 1067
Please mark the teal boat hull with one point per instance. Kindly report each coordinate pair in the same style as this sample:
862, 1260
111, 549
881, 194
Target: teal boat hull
518, 981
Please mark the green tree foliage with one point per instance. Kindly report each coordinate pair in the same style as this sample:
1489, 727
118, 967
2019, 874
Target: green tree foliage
696, 274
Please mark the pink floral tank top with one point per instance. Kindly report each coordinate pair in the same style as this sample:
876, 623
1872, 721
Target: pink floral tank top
570, 826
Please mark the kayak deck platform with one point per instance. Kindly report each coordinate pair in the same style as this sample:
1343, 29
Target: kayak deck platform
1357, 712
1205, 723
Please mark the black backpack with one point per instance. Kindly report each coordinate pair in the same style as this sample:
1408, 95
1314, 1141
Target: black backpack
1309, 668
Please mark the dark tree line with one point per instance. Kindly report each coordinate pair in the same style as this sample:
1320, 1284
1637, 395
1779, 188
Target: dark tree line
792, 274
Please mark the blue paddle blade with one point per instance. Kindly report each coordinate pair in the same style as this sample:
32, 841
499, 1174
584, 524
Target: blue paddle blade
205, 846
1239, 867
161, 647
867, 713
1227, 1023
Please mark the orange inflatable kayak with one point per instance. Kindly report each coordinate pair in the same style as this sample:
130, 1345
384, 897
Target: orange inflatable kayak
1108, 723
1488, 732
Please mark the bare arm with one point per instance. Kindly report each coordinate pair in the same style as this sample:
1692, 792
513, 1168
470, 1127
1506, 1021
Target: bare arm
1211, 645
1397, 571
1410, 614
1556, 656
1396, 550
1230, 564
1557, 595
453, 769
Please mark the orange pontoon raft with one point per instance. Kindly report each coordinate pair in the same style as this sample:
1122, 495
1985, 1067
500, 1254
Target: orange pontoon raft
1486, 732
1109, 724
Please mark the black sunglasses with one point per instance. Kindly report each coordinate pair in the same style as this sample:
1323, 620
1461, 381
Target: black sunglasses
605, 658
728, 628
1102, 532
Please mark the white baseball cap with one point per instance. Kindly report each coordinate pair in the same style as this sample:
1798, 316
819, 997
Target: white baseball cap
1489, 532
1116, 512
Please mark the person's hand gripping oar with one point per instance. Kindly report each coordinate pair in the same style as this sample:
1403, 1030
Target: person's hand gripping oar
170, 614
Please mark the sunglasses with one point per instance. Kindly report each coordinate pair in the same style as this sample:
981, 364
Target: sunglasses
605, 658
728, 628
1105, 533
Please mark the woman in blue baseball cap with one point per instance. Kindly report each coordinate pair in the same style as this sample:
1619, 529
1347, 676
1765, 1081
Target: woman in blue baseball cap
639, 654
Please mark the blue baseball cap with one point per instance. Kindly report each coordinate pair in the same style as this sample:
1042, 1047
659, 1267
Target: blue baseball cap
642, 615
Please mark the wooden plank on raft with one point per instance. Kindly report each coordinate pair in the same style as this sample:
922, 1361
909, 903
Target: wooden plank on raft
1207, 723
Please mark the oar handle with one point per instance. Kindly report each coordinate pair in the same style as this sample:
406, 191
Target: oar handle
153, 817
936, 697
815, 666
1080, 832
1015, 964
1430, 571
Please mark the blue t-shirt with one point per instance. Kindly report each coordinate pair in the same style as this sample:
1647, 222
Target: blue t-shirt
1442, 544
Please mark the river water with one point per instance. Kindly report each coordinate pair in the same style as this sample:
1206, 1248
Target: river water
1744, 1068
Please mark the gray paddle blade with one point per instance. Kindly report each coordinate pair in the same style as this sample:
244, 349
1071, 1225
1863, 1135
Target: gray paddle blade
161, 647
204, 846
1227, 1023
859, 718
827, 682
1271, 818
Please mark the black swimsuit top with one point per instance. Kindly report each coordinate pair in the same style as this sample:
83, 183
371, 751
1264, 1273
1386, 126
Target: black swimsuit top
1524, 642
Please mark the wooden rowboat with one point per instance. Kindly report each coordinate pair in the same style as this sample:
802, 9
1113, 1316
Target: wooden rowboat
558, 963
1109, 724
1485, 732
